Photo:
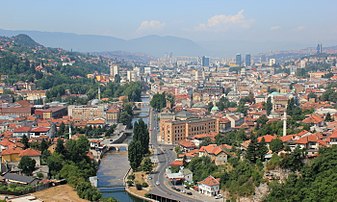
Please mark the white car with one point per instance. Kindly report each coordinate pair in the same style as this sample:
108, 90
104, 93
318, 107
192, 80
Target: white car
157, 183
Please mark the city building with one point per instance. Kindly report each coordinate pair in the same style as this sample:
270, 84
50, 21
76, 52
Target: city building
238, 60
205, 61
81, 112
248, 60
114, 70
209, 186
185, 126
272, 61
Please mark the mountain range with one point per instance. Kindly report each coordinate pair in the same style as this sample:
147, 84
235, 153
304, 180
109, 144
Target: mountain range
152, 44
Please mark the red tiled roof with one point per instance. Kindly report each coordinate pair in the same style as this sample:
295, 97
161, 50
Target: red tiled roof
313, 118
30, 152
287, 138
40, 130
11, 151
22, 129
211, 149
210, 181
267, 138
186, 144
176, 163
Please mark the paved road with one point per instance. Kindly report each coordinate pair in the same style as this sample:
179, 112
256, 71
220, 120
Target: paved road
165, 155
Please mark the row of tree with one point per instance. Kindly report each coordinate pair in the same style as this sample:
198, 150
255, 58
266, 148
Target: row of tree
139, 146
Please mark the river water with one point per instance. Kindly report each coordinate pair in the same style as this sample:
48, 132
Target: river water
114, 166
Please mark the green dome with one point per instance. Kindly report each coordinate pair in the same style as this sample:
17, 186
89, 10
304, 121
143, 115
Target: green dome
215, 108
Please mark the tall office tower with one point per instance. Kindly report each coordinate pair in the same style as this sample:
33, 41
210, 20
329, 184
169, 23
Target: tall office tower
319, 49
205, 61
114, 70
238, 60
248, 60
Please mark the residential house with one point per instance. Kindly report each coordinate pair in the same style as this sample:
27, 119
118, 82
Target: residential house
217, 153
33, 154
11, 155
13, 178
40, 131
186, 145
21, 131
209, 186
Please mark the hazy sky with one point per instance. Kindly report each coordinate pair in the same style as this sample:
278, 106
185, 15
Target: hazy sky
288, 21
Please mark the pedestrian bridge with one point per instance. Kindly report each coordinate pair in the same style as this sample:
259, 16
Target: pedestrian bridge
118, 147
141, 104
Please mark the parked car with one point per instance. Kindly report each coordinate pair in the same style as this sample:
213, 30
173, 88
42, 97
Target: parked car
189, 193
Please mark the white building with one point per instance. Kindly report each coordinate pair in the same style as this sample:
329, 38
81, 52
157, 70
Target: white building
147, 70
114, 70
272, 61
209, 186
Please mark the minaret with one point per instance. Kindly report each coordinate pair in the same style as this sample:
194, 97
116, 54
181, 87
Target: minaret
69, 131
99, 93
285, 123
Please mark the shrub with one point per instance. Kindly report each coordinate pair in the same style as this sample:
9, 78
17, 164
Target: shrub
145, 184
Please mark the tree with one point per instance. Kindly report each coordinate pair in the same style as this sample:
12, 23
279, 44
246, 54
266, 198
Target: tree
328, 118
276, 145
55, 163
43, 145
135, 155
60, 149
61, 130
294, 161
141, 134
206, 141
125, 119
158, 101
27, 165
251, 154
25, 142
147, 165
262, 149
268, 106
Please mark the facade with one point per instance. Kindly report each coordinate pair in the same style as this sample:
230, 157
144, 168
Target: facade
209, 186
112, 115
81, 112
238, 60
173, 131
114, 70
248, 60
205, 61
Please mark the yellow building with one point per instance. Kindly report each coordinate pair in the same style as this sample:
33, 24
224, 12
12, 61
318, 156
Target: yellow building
173, 131
11, 155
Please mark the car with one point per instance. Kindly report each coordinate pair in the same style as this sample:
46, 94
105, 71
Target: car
157, 183
219, 196
177, 189
150, 178
189, 193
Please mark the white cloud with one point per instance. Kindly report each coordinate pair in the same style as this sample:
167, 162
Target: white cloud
225, 22
150, 26
275, 28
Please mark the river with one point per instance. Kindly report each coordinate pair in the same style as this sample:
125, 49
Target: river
114, 166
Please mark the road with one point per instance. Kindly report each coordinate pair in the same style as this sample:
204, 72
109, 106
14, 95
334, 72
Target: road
165, 155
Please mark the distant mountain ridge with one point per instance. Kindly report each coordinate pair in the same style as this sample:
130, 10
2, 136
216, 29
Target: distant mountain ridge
152, 44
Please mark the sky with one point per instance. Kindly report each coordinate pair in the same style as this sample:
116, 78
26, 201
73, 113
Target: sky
254, 22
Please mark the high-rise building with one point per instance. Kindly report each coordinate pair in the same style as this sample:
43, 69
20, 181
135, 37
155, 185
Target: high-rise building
238, 60
248, 60
319, 49
205, 61
272, 61
114, 70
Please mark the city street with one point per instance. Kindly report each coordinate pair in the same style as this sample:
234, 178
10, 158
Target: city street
165, 155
